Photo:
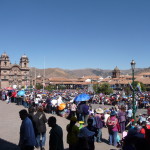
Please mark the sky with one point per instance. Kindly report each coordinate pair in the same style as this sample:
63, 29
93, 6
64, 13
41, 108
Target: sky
76, 34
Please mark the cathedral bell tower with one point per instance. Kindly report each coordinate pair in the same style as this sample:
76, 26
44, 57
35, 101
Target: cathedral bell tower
4, 61
116, 73
24, 61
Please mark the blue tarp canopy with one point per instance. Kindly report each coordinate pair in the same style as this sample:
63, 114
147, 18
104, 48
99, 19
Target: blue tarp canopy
21, 93
82, 97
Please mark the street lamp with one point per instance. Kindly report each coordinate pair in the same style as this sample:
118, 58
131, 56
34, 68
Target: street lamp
133, 94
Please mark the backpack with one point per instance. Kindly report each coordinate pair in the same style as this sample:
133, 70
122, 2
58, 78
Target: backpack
111, 123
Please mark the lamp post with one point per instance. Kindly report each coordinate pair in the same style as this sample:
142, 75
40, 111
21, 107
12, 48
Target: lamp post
133, 94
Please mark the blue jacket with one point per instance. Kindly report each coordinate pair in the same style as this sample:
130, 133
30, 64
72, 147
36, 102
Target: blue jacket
27, 135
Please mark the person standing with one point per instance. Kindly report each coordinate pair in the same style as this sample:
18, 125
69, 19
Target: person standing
3, 95
106, 115
85, 136
27, 136
148, 110
98, 124
85, 113
48, 105
14, 95
72, 133
91, 139
73, 108
122, 119
129, 115
56, 135
112, 124
40, 123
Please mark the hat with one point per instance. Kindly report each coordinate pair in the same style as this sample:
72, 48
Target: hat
84, 132
81, 122
132, 131
132, 120
107, 110
74, 119
99, 111
113, 113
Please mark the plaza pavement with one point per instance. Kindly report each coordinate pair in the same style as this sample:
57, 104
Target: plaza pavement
10, 125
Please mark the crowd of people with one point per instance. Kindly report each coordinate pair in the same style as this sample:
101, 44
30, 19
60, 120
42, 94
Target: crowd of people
86, 123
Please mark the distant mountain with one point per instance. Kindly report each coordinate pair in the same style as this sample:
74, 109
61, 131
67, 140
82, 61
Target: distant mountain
57, 72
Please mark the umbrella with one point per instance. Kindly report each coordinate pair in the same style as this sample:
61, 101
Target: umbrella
9, 88
44, 93
124, 96
62, 106
82, 97
21, 93
145, 102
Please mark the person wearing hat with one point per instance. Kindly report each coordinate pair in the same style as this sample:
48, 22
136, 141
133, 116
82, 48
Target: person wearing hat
84, 136
92, 128
112, 124
72, 133
98, 124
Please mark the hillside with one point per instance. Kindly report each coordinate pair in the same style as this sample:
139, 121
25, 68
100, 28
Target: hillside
57, 72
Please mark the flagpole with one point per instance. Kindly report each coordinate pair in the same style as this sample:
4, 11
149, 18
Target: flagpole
44, 75
35, 79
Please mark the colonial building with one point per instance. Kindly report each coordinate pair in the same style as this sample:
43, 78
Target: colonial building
14, 75
117, 81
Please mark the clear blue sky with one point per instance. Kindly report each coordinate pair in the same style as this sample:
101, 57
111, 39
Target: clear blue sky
76, 34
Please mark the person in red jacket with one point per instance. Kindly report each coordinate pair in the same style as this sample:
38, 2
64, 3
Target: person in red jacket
13, 96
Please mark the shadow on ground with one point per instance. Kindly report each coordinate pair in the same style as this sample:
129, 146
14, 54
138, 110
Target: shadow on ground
105, 141
5, 145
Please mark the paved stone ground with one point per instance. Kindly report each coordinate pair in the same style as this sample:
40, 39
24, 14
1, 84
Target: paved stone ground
10, 126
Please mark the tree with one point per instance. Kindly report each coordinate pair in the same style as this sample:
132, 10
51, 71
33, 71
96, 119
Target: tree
103, 88
39, 86
127, 90
96, 88
106, 89
23, 87
50, 87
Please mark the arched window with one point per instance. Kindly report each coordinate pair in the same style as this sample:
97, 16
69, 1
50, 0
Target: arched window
5, 63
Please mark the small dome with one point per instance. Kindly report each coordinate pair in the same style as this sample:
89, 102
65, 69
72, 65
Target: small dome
24, 56
4, 55
116, 68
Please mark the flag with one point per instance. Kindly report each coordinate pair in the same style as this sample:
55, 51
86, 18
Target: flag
131, 87
139, 87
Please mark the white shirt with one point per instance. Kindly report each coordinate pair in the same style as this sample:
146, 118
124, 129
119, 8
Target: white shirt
106, 117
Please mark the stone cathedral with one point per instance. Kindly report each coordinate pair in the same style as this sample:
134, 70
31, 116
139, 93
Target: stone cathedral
14, 75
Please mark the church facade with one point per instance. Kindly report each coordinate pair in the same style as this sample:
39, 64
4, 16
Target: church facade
14, 75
